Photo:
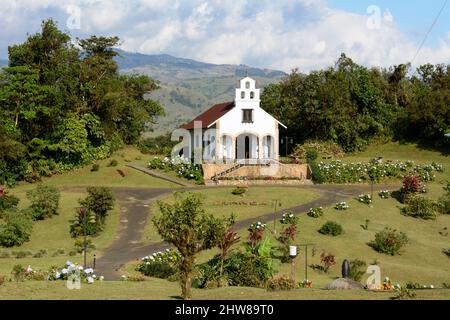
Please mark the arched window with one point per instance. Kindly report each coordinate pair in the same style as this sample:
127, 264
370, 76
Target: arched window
252, 95
242, 94
247, 85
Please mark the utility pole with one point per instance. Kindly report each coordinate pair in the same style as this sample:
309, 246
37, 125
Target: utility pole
276, 204
306, 257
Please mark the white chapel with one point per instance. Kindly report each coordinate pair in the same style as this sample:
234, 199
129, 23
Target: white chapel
237, 130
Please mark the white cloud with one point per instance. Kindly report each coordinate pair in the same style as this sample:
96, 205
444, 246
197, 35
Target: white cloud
278, 34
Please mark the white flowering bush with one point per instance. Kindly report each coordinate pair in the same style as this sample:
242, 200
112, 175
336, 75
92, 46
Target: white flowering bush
341, 206
338, 171
384, 194
72, 269
164, 265
315, 212
257, 226
365, 198
288, 218
180, 165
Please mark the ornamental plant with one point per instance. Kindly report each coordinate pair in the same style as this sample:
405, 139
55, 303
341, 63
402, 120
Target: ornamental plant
72, 271
422, 208
180, 165
288, 218
187, 226
365, 198
328, 260
341, 206
281, 283
331, 228
256, 233
389, 241
384, 194
287, 235
411, 184
315, 212
164, 265
338, 171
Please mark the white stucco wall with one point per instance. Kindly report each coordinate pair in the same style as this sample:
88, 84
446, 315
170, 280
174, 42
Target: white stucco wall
263, 124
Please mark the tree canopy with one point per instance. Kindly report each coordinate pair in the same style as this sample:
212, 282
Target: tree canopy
354, 105
63, 103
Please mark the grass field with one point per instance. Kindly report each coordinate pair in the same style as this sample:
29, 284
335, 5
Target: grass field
107, 176
219, 202
156, 289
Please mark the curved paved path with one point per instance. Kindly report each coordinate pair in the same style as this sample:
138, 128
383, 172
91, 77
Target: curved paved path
135, 203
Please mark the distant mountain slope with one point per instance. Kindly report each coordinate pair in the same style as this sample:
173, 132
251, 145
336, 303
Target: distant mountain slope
3, 62
189, 87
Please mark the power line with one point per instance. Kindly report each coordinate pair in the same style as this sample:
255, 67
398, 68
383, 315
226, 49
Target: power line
429, 31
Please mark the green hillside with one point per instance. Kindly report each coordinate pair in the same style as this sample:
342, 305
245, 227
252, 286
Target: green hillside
189, 87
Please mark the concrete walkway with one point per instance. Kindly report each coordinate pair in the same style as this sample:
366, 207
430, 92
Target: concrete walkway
157, 174
135, 205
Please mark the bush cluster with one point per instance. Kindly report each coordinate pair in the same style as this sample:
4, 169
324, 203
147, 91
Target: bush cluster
162, 265
420, 207
331, 228
281, 283
44, 201
181, 166
337, 171
389, 241
315, 212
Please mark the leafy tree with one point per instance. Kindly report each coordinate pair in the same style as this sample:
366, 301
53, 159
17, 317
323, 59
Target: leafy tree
100, 200
185, 225
44, 201
17, 228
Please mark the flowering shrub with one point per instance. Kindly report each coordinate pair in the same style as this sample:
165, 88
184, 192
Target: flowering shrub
182, 166
73, 270
256, 232
384, 194
162, 265
315, 212
280, 283
305, 284
257, 226
288, 218
365, 198
411, 184
341, 206
340, 172
389, 241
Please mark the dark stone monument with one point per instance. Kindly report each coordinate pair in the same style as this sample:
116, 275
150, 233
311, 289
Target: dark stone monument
345, 269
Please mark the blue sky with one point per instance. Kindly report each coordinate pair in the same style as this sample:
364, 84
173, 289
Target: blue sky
413, 17
282, 34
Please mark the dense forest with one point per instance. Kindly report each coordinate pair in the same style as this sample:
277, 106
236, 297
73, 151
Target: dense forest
353, 106
64, 104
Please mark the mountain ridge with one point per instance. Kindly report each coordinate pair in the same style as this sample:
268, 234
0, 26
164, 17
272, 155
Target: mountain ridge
189, 87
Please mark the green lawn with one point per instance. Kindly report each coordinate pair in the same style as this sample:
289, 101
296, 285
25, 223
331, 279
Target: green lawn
107, 176
263, 196
53, 235
157, 289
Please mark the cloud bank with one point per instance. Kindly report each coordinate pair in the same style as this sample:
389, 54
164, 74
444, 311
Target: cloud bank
281, 34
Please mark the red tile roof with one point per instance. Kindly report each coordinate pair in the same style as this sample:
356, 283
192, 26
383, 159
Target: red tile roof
210, 115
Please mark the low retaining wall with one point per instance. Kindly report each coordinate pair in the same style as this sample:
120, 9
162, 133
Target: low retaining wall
298, 171
237, 183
